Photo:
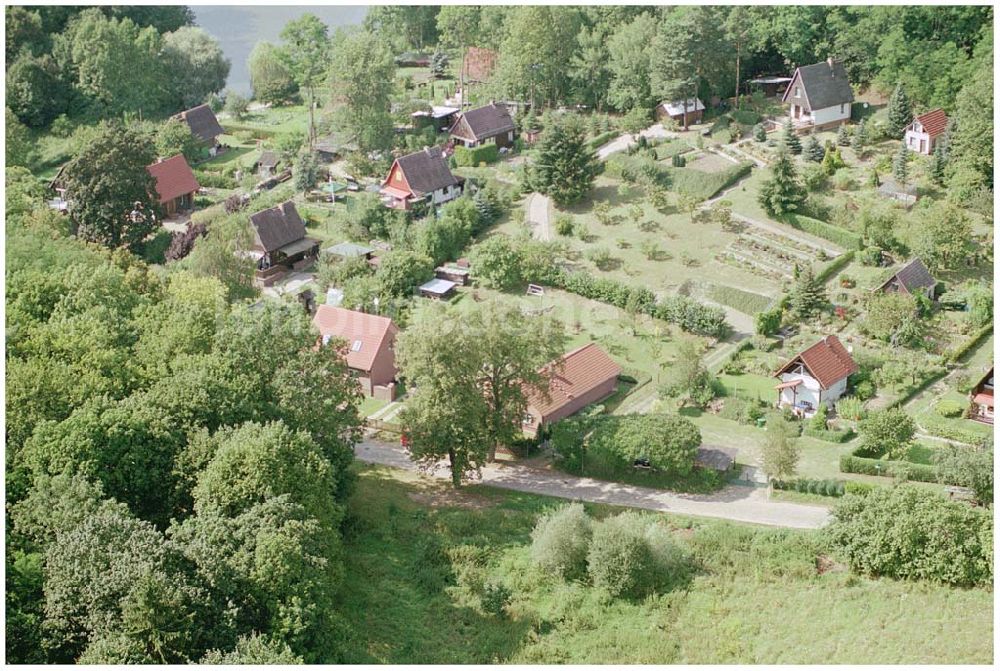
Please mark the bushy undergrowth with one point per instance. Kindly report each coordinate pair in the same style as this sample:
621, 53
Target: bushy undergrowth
560, 539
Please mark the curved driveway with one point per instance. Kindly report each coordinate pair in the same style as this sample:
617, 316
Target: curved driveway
737, 503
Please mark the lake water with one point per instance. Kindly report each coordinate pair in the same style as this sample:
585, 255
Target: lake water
238, 29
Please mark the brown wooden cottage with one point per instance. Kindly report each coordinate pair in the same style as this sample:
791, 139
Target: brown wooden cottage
490, 123
819, 96
922, 133
176, 184
204, 126
576, 379
911, 279
267, 164
370, 342
674, 110
423, 176
280, 242
981, 400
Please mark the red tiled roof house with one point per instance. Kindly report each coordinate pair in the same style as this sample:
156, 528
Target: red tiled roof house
423, 176
981, 400
923, 132
818, 375
370, 341
175, 184
576, 379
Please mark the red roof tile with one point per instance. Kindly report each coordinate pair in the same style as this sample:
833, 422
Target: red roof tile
173, 178
934, 122
366, 335
573, 375
827, 361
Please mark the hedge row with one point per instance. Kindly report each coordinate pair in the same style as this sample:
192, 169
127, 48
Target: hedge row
466, 157
950, 430
835, 234
704, 185
850, 463
835, 266
807, 486
685, 312
828, 435
603, 138
970, 344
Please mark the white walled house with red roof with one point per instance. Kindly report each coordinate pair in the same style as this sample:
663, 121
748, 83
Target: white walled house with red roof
816, 376
370, 342
576, 379
922, 133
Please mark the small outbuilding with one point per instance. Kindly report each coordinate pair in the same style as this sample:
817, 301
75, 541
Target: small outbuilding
770, 86
675, 109
437, 288
280, 241
452, 274
267, 164
439, 116
349, 250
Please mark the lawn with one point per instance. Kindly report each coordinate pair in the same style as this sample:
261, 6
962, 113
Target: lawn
416, 548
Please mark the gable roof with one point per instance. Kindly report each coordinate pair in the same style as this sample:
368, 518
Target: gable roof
277, 226
486, 121
675, 107
572, 375
913, 276
426, 171
933, 122
827, 361
365, 334
268, 159
825, 83
202, 122
478, 64
173, 178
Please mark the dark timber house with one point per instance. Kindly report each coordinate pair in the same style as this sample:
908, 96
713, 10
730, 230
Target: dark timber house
204, 126
423, 176
280, 242
911, 279
490, 123
819, 96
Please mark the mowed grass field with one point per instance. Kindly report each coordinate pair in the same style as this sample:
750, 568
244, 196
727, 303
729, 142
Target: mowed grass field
415, 546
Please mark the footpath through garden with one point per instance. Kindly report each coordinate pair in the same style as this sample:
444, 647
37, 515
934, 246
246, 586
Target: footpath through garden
735, 502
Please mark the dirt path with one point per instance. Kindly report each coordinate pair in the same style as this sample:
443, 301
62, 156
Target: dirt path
539, 207
737, 503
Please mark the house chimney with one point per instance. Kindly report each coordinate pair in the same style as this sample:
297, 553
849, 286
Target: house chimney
829, 61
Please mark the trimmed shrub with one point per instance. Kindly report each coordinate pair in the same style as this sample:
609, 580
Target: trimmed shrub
839, 236
466, 157
835, 266
856, 487
560, 539
949, 408
829, 435
970, 344
833, 488
904, 470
